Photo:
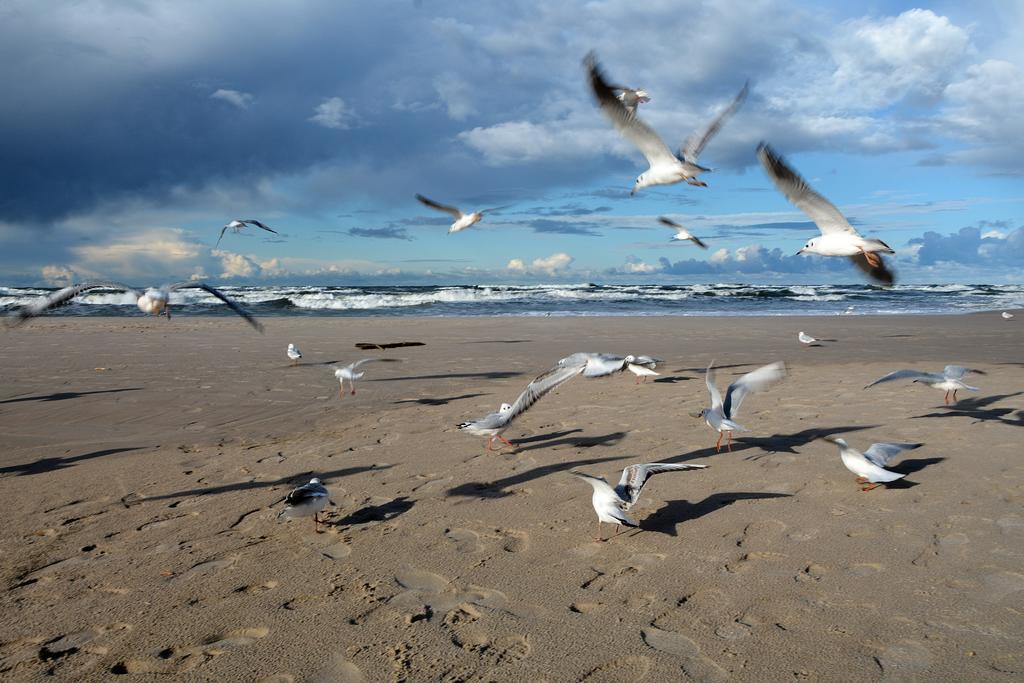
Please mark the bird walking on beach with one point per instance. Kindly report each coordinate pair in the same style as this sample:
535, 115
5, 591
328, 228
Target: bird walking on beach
462, 220
869, 466
294, 354
682, 233
236, 226
493, 424
838, 237
155, 300
666, 168
349, 373
721, 415
807, 339
611, 504
950, 380
305, 501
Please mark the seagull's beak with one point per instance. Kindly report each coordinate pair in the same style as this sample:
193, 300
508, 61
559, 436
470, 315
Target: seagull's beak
632, 192
800, 252
830, 439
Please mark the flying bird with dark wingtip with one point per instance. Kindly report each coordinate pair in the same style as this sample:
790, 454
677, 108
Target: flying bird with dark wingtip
870, 465
666, 168
950, 380
462, 220
838, 237
631, 98
155, 300
237, 226
682, 233
721, 415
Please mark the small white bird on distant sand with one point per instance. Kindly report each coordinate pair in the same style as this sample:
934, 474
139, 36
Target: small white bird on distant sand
682, 233
305, 501
806, 339
462, 220
838, 237
720, 416
951, 379
155, 300
1007, 316
666, 168
237, 225
349, 373
294, 353
870, 465
611, 504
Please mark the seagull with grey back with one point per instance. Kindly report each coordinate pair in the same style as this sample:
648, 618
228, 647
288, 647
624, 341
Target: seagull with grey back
721, 415
612, 504
306, 501
462, 220
950, 380
870, 465
237, 225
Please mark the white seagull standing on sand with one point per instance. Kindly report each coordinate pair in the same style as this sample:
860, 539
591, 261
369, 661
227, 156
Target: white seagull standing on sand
721, 415
305, 501
870, 465
493, 424
1007, 316
681, 232
951, 379
666, 168
806, 339
349, 373
294, 353
838, 237
462, 220
237, 225
155, 300
611, 504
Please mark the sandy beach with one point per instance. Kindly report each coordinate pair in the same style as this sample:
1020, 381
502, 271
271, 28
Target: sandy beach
144, 463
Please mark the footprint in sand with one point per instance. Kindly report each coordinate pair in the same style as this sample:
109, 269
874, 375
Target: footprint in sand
613, 577
206, 568
338, 670
466, 540
173, 660
514, 541
622, 670
696, 665
904, 659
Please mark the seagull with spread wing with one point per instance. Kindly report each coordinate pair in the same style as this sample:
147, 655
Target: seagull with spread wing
611, 504
155, 300
869, 466
722, 414
493, 424
681, 233
349, 373
838, 237
950, 380
237, 225
631, 98
666, 168
462, 220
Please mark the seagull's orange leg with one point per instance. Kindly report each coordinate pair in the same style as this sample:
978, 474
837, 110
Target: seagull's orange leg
871, 257
945, 399
954, 395
869, 488
599, 539
506, 441
490, 439
718, 444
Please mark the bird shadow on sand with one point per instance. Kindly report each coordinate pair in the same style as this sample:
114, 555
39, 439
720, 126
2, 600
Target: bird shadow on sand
452, 375
376, 513
499, 487
665, 519
701, 371
437, 401
788, 443
499, 341
670, 379
290, 480
977, 408
53, 464
576, 441
65, 395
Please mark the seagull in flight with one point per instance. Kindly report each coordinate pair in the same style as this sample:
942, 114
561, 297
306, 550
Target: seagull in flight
237, 225
155, 300
604, 364
611, 504
305, 501
681, 232
722, 414
462, 220
349, 373
294, 354
951, 379
493, 424
869, 466
631, 98
838, 237
666, 168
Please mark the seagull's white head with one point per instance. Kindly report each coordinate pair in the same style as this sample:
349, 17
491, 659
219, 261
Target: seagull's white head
314, 480
700, 413
836, 440
630, 359
810, 248
291, 347
154, 301
641, 181
505, 407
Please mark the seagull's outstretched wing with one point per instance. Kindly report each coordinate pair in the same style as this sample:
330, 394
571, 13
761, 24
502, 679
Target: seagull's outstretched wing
355, 365
249, 318
252, 221
628, 123
695, 144
495, 208
958, 371
907, 374
820, 210
709, 380
680, 230
757, 380
635, 476
881, 454
455, 213
62, 296
648, 362
222, 231
879, 270
536, 389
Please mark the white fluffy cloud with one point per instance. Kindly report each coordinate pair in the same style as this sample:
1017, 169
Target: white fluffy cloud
333, 113
242, 100
549, 265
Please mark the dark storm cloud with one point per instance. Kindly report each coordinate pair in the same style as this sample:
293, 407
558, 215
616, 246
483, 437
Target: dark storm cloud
967, 246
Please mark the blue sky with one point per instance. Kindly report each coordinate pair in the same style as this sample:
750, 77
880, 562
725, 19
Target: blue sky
132, 131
